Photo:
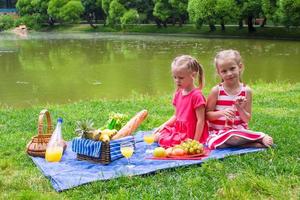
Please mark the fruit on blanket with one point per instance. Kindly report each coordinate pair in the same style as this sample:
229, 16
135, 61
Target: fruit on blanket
159, 152
85, 129
188, 146
107, 134
178, 152
192, 146
131, 125
169, 151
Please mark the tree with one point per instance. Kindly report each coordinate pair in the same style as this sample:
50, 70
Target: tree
269, 9
162, 10
130, 17
65, 10
71, 11
250, 9
105, 7
203, 11
116, 11
226, 10
90, 9
179, 10
289, 11
33, 12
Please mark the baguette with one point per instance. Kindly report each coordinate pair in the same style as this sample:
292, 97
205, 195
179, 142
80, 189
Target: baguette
131, 125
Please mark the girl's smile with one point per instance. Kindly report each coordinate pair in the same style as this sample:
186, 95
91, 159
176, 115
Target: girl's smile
229, 70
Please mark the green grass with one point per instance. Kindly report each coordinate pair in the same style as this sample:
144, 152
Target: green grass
272, 174
231, 31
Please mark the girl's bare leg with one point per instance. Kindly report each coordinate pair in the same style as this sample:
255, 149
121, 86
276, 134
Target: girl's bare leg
266, 141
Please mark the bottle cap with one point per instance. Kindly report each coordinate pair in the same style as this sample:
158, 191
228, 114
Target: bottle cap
60, 120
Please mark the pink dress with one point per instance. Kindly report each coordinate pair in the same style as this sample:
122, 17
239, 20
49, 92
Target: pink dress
220, 130
186, 119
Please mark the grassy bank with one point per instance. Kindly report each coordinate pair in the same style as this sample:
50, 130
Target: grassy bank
231, 31
273, 174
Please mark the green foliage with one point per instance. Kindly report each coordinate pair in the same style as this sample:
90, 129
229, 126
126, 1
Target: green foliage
290, 12
130, 17
65, 10
24, 7
54, 8
71, 11
6, 22
269, 9
33, 12
31, 21
116, 11
162, 9
202, 11
226, 10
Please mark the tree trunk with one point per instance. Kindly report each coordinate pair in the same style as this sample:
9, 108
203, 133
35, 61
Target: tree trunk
180, 21
90, 20
158, 23
241, 25
50, 21
264, 22
250, 25
173, 21
165, 23
222, 25
212, 27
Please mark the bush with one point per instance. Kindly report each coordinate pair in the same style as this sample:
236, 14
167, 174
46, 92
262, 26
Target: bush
6, 22
130, 17
31, 21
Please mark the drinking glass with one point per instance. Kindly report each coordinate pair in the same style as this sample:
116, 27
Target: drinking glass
127, 150
231, 120
149, 139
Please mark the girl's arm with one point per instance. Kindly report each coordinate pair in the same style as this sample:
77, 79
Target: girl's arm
244, 106
200, 113
169, 122
211, 114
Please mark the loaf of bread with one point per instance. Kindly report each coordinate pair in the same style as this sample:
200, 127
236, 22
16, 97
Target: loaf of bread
131, 125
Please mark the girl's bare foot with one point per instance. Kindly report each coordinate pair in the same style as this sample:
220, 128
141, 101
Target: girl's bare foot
267, 141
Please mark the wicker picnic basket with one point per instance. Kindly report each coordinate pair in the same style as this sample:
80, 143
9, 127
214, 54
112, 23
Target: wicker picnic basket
38, 144
109, 151
104, 156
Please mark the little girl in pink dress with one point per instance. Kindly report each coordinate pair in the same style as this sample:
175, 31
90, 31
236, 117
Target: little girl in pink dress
189, 102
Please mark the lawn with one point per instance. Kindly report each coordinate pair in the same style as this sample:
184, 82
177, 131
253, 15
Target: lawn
272, 174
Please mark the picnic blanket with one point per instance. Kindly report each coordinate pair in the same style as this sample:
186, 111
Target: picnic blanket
70, 172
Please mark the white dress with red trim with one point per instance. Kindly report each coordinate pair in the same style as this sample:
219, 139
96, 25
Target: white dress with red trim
221, 130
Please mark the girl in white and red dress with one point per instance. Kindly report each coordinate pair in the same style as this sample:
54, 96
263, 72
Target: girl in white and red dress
229, 105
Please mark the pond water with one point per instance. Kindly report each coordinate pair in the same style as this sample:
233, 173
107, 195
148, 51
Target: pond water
60, 68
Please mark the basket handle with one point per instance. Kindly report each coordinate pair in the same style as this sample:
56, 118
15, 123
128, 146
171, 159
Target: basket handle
40, 122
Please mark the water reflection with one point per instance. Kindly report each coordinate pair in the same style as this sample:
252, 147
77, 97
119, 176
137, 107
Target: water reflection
58, 68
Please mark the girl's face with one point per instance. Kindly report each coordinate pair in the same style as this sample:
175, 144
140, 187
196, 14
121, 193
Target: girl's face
229, 70
183, 78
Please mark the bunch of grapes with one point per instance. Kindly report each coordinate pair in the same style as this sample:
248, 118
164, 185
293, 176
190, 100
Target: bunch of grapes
191, 147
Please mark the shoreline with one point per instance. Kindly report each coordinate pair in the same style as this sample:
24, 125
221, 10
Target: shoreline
231, 32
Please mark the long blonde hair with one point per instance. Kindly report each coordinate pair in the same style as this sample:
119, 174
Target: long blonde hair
190, 63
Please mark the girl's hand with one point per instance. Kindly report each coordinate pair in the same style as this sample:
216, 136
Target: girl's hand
229, 113
240, 102
159, 129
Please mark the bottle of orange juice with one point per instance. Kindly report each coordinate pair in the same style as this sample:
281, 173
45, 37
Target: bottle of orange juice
55, 147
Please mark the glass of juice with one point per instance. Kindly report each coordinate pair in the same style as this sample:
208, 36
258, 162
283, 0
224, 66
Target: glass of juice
149, 139
127, 150
54, 154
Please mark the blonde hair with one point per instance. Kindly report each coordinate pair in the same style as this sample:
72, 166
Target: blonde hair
190, 63
228, 54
